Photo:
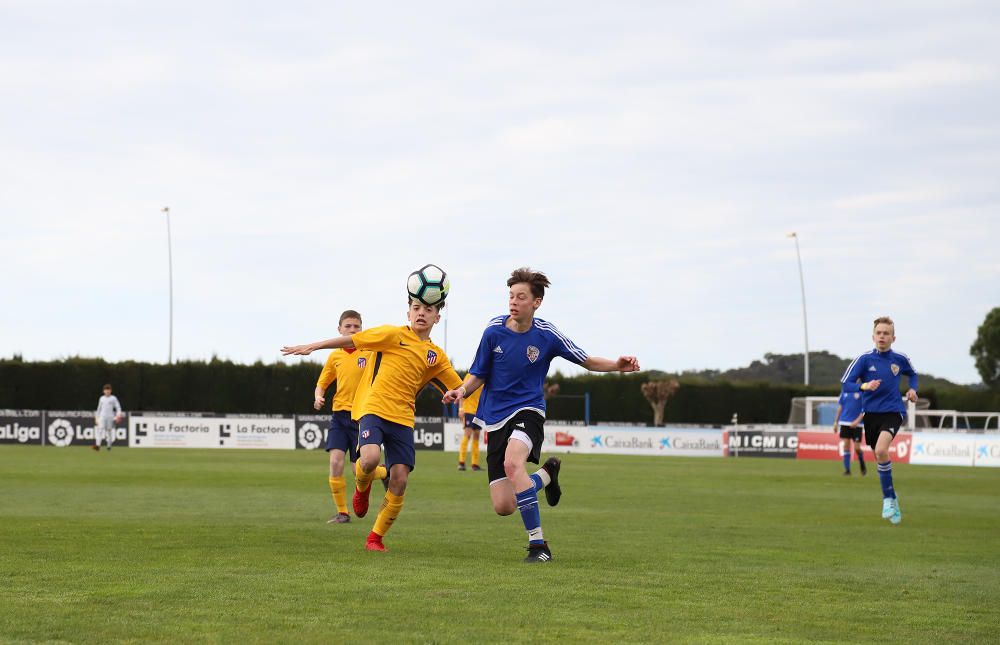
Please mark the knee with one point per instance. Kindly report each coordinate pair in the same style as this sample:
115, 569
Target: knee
511, 468
882, 455
504, 508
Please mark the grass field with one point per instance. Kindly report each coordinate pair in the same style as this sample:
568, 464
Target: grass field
224, 546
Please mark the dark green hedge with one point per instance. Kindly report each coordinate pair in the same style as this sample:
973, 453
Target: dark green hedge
223, 386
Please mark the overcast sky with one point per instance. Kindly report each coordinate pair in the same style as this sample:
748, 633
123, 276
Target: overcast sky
650, 157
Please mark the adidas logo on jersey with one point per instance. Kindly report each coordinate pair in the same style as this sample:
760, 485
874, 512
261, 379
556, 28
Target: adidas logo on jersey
497, 350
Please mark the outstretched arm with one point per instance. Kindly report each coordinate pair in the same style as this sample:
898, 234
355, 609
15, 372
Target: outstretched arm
623, 364
470, 385
339, 342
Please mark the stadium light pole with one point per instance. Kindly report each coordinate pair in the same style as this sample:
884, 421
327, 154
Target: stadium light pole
802, 284
170, 278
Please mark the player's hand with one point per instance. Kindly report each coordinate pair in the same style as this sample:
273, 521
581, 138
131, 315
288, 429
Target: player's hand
854, 424
118, 418
873, 385
911, 395
451, 396
835, 428
318, 403
297, 350
627, 364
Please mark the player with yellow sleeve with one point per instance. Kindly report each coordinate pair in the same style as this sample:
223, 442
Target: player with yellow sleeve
345, 367
404, 360
467, 412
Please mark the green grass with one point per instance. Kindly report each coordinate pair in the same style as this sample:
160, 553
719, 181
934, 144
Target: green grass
224, 546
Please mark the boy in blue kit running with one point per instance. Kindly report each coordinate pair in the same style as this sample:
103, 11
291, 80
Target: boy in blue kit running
879, 372
511, 365
848, 419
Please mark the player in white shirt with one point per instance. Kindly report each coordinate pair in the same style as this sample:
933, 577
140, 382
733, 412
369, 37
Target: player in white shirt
109, 412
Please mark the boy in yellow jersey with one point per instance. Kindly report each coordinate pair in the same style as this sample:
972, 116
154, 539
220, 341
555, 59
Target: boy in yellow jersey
404, 360
468, 414
345, 366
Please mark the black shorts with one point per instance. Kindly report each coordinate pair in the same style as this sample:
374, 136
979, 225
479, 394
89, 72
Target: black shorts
526, 421
876, 422
847, 432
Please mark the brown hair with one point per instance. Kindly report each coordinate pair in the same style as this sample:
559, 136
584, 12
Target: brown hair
350, 313
107, 386
883, 319
536, 279
439, 305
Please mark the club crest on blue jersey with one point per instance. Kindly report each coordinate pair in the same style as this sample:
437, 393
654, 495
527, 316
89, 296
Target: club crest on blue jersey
432, 357
362, 361
895, 369
533, 353
857, 395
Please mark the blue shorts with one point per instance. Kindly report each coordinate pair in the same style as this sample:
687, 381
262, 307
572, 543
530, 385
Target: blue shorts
470, 422
397, 439
343, 434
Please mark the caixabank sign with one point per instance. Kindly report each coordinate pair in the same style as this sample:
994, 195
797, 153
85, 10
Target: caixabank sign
21, 427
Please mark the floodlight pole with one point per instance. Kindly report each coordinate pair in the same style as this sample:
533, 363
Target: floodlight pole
170, 278
802, 284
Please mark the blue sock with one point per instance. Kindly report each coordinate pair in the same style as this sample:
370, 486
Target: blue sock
885, 478
847, 462
527, 503
538, 482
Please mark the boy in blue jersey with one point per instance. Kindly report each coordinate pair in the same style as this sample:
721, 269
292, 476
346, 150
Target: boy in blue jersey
511, 365
877, 374
848, 419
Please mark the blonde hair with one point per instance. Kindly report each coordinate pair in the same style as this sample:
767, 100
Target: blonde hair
883, 319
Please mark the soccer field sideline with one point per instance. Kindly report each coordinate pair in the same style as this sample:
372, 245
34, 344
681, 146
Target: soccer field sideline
226, 545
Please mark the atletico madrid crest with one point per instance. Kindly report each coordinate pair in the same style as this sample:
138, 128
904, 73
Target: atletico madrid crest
362, 361
432, 357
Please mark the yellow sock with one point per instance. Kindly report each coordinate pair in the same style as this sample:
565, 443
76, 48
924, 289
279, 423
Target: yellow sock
475, 451
387, 514
462, 448
362, 479
380, 472
337, 487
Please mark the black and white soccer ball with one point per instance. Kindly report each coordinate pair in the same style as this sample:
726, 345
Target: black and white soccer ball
429, 284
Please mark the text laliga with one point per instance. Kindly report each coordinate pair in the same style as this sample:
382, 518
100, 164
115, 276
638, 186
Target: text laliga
23, 434
426, 438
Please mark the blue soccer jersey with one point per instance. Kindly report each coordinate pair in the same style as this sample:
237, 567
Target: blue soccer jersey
514, 366
889, 367
850, 407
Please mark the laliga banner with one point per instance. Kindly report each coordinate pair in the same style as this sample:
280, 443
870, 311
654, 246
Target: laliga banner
428, 433
77, 428
21, 427
310, 430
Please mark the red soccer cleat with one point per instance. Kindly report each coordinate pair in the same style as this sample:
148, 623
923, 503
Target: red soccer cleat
360, 501
374, 542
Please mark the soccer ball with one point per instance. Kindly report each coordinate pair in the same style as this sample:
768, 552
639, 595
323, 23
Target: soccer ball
429, 284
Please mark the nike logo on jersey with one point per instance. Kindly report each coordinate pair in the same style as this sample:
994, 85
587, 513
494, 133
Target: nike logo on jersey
519, 425
497, 350
403, 344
